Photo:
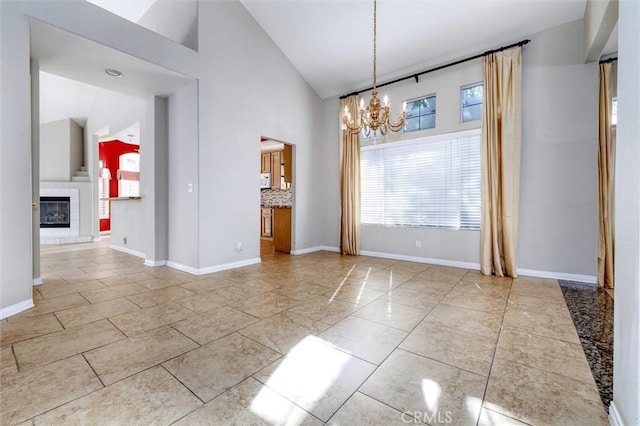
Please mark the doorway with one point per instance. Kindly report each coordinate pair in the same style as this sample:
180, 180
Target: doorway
276, 197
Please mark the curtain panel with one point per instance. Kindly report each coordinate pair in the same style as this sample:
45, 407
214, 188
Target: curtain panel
500, 156
350, 184
606, 171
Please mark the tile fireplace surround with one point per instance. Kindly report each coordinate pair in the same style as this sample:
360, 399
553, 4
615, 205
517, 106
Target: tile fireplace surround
64, 235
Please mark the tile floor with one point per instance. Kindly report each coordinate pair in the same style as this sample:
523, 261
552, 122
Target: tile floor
313, 339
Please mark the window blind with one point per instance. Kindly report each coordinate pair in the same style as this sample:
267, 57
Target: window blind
427, 182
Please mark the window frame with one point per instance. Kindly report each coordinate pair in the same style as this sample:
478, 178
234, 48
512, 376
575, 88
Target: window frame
435, 113
462, 106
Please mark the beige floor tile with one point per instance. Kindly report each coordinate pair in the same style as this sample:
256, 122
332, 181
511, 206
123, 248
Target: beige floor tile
478, 278
554, 326
363, 410
83, 276
364, 339
383, 280
354, 293
556, 307
163, 282
537, 397
418, 298
485, 324
65, 343
125, 278
325, 310
158, 297
36, 295
25, 327
85, 314
250, 403
266, 304
392, 314
283, 331
551, 355
212, 369
150, 397
32, 392
492, 418
212, 325
409, 382
437, 274
301, 290
316, 376
207, 285
476, 302
95, 296
141, 320
252, 287
53, 305
537, 287
467, 351
208, 301
8, 364
61, 289
481, 288
124, 358
429, 287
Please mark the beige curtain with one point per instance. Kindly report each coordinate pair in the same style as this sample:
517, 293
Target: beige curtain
350, 184
606, 161
501, 138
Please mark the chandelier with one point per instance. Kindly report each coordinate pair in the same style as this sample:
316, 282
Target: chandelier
375, 117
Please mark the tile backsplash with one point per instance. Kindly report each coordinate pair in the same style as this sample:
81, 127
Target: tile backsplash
275, 197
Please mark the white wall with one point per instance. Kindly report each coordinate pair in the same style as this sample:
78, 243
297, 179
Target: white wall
15, 162
626, 337
61, 147
249, 90
183, 170
558, 192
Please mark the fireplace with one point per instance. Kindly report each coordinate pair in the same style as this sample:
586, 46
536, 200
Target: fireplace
55, 212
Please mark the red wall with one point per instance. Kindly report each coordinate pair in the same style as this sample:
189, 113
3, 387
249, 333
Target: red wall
109, 153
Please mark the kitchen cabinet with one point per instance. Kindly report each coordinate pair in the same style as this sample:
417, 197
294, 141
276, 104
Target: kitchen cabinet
266, 163
276, 166
288, 163
282, 229
266, 222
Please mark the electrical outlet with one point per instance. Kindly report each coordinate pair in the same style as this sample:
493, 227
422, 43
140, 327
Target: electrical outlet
418, 243
239, 247
124, 240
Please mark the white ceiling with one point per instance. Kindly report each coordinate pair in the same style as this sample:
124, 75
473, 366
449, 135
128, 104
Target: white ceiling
330, 42
65, 54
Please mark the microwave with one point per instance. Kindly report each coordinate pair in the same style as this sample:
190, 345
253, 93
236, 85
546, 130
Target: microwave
265, 180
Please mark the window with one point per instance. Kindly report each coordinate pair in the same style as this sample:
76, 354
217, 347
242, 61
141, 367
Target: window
129, 175
471, 102
421, 114
614, 112
429, 182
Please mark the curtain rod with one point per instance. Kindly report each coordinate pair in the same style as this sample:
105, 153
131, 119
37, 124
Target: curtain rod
606, 61
417, 75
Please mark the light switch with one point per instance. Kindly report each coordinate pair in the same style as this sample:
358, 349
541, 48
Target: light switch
189, 187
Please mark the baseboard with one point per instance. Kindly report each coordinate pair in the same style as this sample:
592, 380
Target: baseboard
128, 251
330, 248
557, 275
211, 269
225, 266
417, 259
184, 268
154, 263
614, 415
16, 309
37, 281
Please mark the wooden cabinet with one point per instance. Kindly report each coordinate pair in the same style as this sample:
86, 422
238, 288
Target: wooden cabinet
266, 163
288, 163
266, 222
282, 229
276, 173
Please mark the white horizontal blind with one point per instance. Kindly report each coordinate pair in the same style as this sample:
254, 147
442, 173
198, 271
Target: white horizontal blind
427, 182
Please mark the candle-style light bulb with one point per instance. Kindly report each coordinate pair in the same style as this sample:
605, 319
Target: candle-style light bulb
404, 107
386, 100
361, 103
